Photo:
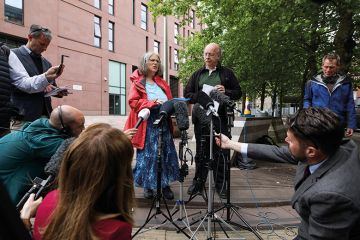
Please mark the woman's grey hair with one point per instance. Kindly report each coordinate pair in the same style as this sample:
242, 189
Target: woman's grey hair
143, 69
36, 31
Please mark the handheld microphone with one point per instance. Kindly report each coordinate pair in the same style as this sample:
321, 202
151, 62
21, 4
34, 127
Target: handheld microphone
181, 115
206, 102
142, 115
223, 99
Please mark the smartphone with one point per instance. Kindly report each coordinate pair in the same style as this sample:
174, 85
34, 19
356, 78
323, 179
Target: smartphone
61, 63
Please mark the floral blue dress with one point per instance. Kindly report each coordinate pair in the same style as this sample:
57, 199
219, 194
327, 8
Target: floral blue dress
145, 171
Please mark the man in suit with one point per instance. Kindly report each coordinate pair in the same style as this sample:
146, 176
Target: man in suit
327, 195
32, 75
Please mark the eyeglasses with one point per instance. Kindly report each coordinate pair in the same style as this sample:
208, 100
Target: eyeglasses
40, 30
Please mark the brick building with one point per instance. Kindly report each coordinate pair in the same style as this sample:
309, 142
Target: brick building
104, 40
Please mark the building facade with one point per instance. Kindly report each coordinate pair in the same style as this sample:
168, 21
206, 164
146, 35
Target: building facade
104, 40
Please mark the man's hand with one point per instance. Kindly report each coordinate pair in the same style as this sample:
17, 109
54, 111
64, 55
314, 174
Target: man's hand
220, 88
222, 141
130, 132
49, 88
52, 73
349, 132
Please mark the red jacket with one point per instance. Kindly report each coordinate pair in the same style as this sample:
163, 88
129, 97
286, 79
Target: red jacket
138, 101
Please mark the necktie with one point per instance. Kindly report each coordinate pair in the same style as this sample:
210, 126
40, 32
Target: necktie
307, 173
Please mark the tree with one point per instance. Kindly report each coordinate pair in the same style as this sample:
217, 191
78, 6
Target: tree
275, 46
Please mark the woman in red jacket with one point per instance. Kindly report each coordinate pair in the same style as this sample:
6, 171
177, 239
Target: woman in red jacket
96, 192
149, 90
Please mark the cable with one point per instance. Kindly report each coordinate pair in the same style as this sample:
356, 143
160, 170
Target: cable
267, 221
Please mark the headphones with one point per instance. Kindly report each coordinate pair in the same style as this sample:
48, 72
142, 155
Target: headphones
64, 129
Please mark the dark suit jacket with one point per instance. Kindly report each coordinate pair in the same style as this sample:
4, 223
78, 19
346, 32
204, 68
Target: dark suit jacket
328, 201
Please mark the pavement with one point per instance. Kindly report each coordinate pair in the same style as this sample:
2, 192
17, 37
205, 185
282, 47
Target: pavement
258, 208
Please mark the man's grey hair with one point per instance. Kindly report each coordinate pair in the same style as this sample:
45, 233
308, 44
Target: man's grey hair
37, 30
143, 69
332, 56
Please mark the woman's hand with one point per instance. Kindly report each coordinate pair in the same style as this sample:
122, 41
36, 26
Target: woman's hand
159, 102
29, 209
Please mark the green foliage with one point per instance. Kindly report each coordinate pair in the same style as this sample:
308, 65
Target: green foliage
278, 43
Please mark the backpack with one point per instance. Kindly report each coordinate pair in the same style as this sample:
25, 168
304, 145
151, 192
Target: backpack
266, 139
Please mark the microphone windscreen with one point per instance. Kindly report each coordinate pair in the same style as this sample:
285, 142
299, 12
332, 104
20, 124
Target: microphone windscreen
219, 97
204, 100
167, 108
181, 115
200, 114
144, 113
53, 166
222, 98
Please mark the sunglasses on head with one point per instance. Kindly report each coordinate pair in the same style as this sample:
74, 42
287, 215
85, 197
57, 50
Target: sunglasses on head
40, 30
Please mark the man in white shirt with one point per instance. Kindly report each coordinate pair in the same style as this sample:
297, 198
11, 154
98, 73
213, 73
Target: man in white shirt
32, 75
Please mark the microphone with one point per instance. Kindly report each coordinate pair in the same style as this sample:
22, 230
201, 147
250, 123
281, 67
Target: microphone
200, 114
53, 166
223, 99
142, 115
166, 109
181, 115
207, 103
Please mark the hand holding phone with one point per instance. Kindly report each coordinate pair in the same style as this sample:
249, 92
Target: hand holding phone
61, 64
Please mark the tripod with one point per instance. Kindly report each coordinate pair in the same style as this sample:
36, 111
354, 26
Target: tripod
159, 197
211, 215
228, 205
184, 171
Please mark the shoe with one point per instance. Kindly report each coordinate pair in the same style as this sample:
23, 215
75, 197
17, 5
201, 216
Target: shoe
245, 163
222, 194
148, 193
168, 194
192, 188
195, 188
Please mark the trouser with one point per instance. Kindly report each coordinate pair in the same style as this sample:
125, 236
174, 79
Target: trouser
202, 156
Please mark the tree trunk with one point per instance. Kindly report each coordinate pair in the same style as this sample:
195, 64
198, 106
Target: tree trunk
343, 41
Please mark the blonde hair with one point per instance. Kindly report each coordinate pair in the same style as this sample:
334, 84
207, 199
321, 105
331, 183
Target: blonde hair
95, 179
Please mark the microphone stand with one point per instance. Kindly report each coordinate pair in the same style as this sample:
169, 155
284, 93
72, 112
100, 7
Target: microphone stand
211, 215
228, 205
159, 196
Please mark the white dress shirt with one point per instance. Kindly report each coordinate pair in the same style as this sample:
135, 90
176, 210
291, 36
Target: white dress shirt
21, 79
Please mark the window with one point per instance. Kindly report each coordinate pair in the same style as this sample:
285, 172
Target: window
146, 44
117, 88
14, 11
174, 86
97, 4
111, 7
170, 53
144, 16
176, 33
192, 18
157, 47
97, 31
154, 27
176, 59
111, 36
133, 12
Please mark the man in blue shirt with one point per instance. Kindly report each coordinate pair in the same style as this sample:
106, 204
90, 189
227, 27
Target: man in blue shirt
24, 153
